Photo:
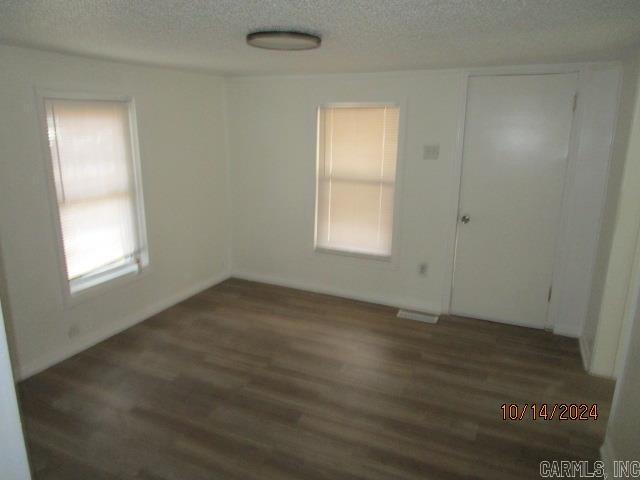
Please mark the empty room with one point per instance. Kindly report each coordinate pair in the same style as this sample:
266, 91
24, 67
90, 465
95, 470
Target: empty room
319, 239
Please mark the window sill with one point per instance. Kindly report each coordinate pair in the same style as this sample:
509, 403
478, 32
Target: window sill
79, 291
77, 286
381, 257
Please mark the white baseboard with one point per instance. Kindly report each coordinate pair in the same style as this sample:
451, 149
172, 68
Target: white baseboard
607, 454
389, 301
82, 343
585, 353
567, 331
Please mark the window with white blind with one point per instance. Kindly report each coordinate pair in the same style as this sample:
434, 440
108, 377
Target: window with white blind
356, 177
98, 194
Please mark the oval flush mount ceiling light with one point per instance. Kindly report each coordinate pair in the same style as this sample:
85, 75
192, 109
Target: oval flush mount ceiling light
279, 40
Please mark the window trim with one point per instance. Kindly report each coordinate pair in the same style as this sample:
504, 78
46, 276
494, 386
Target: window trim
355, 253
77, 290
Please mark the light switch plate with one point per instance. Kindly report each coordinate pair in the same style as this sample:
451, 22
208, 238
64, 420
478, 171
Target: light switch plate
431, 152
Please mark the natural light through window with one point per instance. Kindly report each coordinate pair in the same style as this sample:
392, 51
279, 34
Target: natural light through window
356, 176
97, 194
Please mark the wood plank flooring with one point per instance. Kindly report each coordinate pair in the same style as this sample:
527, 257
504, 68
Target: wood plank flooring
252, 381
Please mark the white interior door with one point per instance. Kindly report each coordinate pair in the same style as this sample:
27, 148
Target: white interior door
516, 144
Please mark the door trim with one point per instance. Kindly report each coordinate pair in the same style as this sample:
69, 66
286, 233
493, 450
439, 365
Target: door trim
456, 175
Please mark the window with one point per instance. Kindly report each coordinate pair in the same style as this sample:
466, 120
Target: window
356, 173
97, 191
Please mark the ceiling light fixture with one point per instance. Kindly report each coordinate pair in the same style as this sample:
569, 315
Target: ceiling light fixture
283, 40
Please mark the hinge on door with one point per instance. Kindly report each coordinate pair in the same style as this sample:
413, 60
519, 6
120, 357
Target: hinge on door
549, 295
575, 101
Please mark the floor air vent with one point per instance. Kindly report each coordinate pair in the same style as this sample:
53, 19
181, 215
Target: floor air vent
419, 316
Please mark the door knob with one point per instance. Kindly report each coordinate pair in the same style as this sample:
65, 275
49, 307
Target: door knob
465, 218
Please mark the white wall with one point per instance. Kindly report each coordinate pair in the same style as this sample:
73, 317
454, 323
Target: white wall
606, 328
622, 440
13, 456
272, 136
183, 153
272, 149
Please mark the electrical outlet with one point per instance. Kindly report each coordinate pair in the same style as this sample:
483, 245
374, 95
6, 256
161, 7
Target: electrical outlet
73, 331
422, 269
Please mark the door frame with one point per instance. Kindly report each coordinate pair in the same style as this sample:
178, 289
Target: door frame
571, 287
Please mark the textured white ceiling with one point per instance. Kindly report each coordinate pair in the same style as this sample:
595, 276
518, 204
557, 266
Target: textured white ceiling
357, 35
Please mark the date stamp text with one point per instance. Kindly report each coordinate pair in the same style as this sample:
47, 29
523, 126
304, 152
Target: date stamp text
549, 411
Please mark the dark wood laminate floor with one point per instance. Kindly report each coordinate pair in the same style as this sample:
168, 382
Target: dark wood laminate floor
251, 381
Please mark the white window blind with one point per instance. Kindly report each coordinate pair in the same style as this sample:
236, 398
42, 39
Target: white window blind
357, 156
93, 171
